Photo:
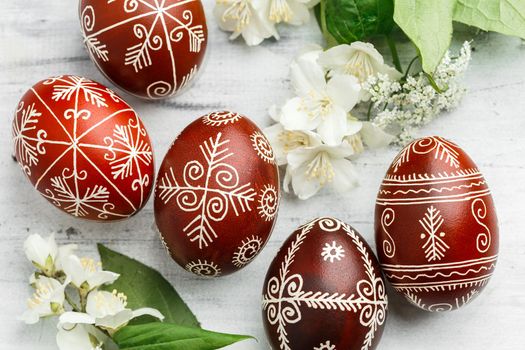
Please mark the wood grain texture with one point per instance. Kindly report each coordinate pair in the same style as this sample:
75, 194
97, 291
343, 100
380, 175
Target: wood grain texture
42, 38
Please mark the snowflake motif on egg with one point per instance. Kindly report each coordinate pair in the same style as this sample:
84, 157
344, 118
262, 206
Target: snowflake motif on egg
268, 203
332, 252
126, 150
247, 251
262, 147
325, 346
204, 268
221, 118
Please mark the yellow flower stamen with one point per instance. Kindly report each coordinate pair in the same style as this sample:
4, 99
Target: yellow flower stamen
359, 65
321, 168
90, 265
293, 139
280, 11
41, 295
317, 106
239, 11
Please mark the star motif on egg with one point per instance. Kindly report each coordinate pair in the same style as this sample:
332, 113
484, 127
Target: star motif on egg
332, 251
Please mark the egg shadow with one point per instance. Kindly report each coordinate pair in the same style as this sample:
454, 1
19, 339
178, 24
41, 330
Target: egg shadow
402, 309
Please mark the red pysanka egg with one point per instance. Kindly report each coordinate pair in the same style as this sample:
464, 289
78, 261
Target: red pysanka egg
436, 227
83, 148
150, 48
217, 194
324, 290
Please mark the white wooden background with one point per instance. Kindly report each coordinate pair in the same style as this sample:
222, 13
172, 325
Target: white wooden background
42, 38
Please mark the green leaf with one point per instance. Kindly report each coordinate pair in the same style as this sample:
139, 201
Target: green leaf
145, 287
428, 23
503, 16
352, 20
165, 336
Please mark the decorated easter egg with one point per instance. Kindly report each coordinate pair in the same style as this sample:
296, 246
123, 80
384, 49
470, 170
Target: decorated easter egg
324, 290
436, 227
151, 49
83, 148
217, 194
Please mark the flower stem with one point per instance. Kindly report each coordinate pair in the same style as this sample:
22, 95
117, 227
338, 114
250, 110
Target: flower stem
409, 67
369, 110
330, 40
72, 303
433, 83
395, 55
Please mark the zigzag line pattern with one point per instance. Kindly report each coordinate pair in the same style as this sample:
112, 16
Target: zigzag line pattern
433, 189
414, 278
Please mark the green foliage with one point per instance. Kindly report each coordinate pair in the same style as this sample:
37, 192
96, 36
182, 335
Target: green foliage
350, 20
166, 336
503, 16
145, 287
429, 25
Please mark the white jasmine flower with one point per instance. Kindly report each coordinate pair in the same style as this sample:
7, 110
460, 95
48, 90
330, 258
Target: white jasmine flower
107, 311
312, 168
47, 300
80, 337
86, 273
44, 253
283, 141
359, 59
295, 12
248, 18
320, 105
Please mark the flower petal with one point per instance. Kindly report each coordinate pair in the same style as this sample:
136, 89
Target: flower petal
79, 337
303, 186
102, 277
148, 311
115, 322
375, 137
333, 126
336, 57
345, 177
307, 75
294, 117
70, 318
344, 91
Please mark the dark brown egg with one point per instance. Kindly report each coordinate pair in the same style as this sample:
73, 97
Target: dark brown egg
217, 194
324, 290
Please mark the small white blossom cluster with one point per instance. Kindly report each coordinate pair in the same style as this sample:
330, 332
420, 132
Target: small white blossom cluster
67, 286
321, 130
316, 135
413, 101
256, 20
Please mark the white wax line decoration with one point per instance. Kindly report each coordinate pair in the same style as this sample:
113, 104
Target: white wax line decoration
285, 295
139, 54
124, 159
434, 246
213, 166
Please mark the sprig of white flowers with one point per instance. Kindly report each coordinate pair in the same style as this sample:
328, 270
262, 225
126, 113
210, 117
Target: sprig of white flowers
323, 128
256, 20
67, 286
